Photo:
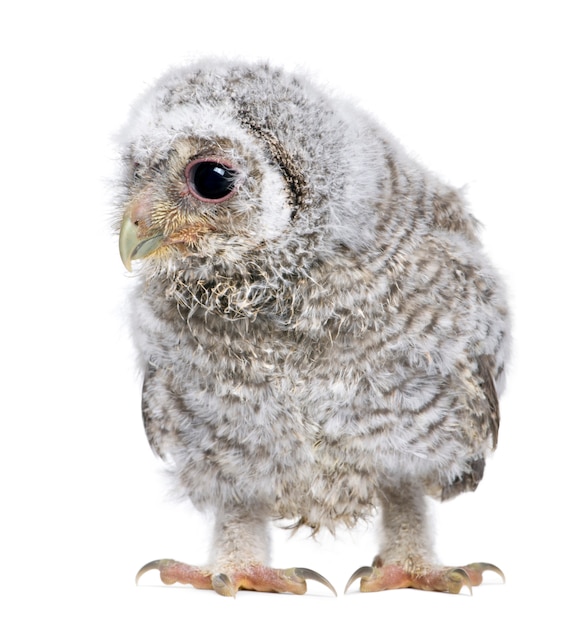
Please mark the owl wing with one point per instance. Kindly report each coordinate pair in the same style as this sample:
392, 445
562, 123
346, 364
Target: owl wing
486, 376
156, 413
488, 422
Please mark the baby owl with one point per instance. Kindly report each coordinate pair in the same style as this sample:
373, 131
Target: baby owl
320, 333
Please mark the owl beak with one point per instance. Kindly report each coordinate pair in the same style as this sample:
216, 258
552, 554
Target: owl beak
132, 246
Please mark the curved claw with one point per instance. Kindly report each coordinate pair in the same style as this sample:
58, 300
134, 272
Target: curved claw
223, 585
480, 568
309, 574
460, 577
159, 563
361, 572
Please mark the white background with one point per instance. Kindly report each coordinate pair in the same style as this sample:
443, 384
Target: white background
488, 94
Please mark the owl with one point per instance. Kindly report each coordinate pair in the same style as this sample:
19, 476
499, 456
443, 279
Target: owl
321, 335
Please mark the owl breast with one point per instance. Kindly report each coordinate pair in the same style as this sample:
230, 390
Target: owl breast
242, 416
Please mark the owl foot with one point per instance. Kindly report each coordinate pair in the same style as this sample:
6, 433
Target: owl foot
253, 578
380, 577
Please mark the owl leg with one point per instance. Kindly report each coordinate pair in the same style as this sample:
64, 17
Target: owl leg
406, 558
241, 547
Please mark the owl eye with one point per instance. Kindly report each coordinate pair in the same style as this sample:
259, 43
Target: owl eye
211, 181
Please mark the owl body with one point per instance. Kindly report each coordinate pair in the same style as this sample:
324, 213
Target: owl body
312, 421
328, 330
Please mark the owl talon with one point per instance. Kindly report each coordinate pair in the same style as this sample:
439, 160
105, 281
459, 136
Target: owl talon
252, 578
159, 565
223, 585
450, 580
308, 574
364, 572
455, 580
475, 571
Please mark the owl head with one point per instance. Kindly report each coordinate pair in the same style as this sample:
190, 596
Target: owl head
230, 169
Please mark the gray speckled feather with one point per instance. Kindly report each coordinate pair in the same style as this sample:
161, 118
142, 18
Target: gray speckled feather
327, 331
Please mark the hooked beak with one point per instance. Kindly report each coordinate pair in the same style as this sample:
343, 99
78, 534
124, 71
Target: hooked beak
132, 246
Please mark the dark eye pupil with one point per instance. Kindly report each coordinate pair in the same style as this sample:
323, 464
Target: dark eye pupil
211, 180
